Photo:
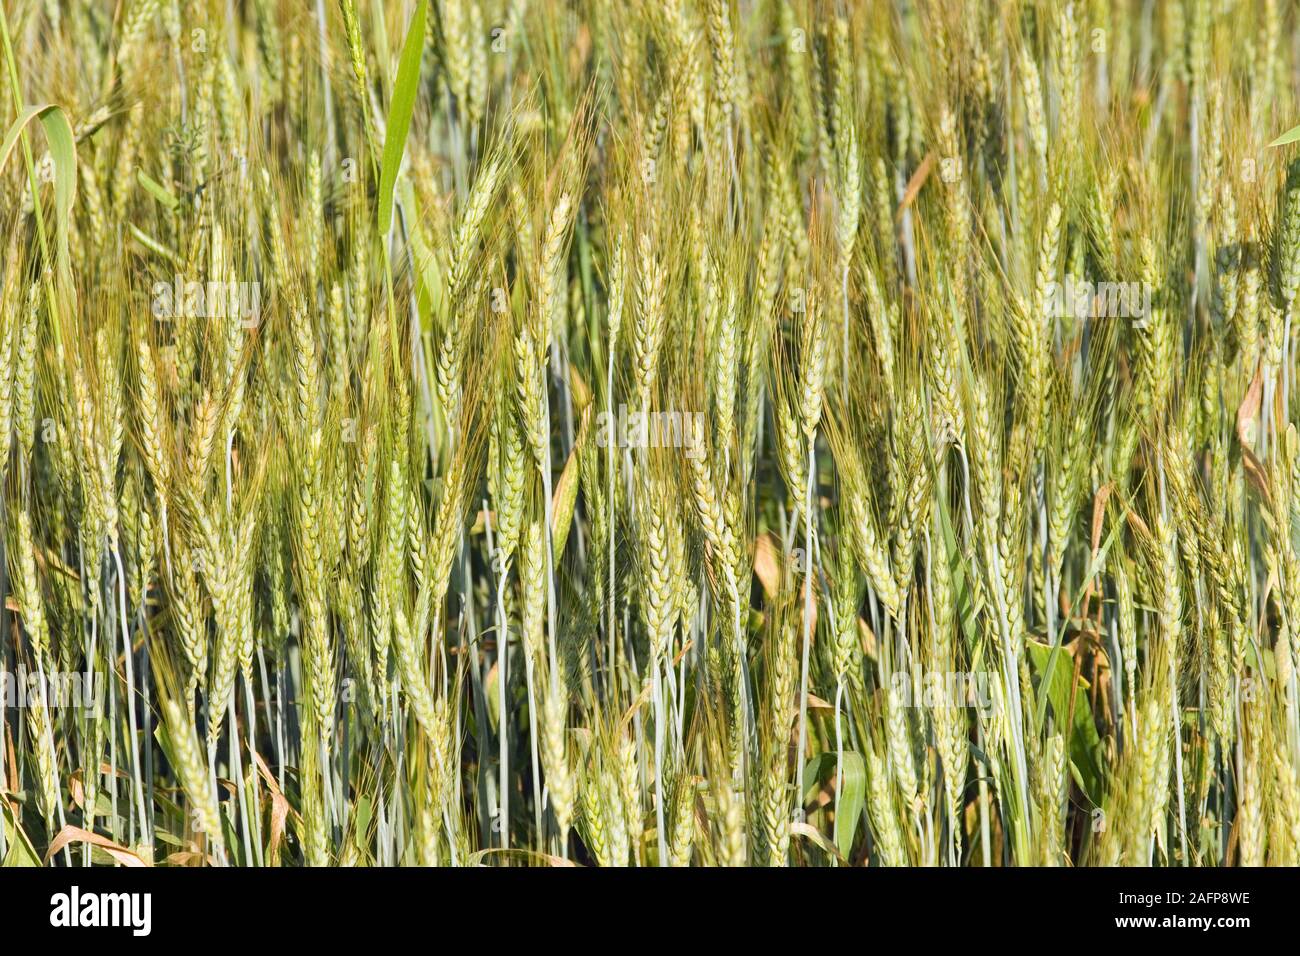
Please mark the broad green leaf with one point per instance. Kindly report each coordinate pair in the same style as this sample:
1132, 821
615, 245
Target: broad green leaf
362, 814
817, 772
20, 852
1084, 742
1290, 136
966, 610
230, 834
849, 801
63, 153
1095, 564
169, 838
399, 115
156, 189
565, 496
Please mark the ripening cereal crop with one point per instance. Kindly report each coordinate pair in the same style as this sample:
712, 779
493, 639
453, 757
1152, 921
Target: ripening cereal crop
649, 433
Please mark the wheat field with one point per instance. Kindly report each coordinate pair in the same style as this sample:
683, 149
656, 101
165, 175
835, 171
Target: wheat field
673, 433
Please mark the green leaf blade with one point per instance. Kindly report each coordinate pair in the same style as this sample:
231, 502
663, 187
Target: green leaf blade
1290, 136
63, 153
849, 801
399, 115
